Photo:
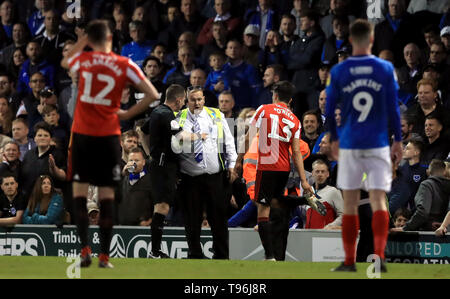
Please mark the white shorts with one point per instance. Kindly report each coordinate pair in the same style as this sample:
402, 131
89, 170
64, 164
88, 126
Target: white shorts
375, 163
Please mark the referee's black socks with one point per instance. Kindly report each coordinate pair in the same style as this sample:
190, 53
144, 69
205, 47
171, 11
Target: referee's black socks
81, 219
157, 227
106, 224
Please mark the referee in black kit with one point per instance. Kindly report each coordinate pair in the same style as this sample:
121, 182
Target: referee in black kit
164, 163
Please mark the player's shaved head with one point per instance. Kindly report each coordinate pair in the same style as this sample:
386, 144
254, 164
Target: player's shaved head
98, 32
361, 33
437, 168
174, 92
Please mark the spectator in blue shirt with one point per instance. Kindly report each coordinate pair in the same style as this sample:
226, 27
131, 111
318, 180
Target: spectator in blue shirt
217, 80
7, 14
139, 48
337, 40
36, 20
35, 63
45, 205
244, 79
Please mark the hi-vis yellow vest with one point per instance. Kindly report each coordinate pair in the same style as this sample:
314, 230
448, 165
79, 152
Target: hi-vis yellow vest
216, 117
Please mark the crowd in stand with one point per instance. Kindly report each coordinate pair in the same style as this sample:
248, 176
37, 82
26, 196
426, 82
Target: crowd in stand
235, 50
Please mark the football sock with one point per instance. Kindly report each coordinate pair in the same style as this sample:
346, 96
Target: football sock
350, 228
104, 258
264, 234
380, 228
157, 231
106, 224
81, 219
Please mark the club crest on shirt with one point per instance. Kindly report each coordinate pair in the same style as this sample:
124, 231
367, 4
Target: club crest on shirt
416, 178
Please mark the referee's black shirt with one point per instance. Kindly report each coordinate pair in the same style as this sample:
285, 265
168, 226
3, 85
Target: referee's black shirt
162, 125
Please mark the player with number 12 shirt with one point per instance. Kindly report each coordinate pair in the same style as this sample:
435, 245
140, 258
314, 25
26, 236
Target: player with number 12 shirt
94, 151
103, 77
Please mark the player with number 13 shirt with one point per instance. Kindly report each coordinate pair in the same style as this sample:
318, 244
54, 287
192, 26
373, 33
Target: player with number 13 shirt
277, 127
279, 130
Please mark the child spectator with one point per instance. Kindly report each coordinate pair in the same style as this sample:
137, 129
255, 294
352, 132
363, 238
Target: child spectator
51, 116
401, 216
45, 205
216, 80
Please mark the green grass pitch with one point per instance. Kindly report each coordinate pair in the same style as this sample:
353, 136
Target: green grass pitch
57, 267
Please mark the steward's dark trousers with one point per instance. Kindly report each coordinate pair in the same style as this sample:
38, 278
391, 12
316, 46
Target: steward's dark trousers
205, 193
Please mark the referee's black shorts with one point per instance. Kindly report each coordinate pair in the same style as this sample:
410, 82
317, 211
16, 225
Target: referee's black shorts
163, 181
96, 160
269, 185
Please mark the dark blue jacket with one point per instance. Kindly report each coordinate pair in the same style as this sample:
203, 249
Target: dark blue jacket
405, 185
176, 76
265, 97
305, 59
213, 78
138, 52
245, 84
36, 22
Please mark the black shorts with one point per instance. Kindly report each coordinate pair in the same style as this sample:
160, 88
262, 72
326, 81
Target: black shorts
96, 160
269, 185
164, 181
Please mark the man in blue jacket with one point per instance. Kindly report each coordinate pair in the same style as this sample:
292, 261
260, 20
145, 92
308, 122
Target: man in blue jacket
35, 63
243, 78
305, 53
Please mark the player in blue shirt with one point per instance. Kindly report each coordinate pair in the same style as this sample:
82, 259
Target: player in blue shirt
365, 87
